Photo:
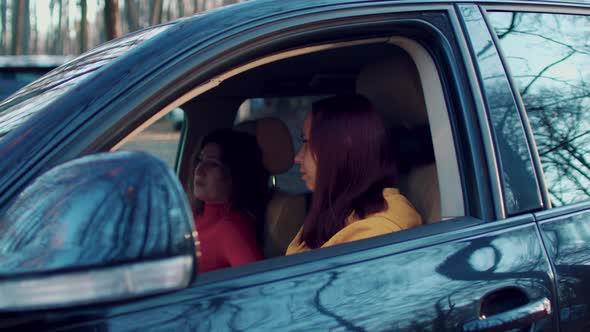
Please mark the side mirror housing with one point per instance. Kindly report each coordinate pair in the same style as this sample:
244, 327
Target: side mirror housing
100, 228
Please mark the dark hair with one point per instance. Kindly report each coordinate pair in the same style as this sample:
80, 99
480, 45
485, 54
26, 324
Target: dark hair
354, 165
241, 154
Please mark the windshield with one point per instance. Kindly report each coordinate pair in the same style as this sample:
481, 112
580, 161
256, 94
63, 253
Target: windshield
33, 97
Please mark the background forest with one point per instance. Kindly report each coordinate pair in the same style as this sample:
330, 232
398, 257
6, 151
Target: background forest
71, 27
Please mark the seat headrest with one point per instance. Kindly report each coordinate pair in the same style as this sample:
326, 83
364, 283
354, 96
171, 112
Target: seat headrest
393, 86
274, 140
413, 147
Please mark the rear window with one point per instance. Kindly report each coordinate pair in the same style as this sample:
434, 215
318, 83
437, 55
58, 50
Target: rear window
30, 99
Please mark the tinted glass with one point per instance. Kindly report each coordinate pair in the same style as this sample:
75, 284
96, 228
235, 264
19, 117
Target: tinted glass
519, 181
549, 57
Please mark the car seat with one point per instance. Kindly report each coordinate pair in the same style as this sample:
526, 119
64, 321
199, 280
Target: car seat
285, 212
394, 88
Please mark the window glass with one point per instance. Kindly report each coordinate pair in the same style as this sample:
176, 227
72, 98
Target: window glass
549, 57
292, 112
161, 139
518, 179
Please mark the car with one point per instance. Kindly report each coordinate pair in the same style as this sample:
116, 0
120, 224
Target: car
18, 71
488, 104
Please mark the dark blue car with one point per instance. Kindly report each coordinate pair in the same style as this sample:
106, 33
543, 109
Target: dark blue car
489, 103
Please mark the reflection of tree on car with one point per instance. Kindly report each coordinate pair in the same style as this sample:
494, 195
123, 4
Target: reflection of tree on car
555, 91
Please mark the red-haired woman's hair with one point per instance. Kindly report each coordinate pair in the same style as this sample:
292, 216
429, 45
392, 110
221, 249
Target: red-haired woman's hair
354, 165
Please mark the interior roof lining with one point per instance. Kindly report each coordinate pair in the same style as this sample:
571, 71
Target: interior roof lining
296, 75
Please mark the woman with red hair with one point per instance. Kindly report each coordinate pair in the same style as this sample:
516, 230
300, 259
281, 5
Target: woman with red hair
345, 160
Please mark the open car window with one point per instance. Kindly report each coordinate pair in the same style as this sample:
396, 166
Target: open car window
291, 111
400, 79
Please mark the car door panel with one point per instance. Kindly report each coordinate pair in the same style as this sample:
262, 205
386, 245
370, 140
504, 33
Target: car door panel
567, 239
434, 287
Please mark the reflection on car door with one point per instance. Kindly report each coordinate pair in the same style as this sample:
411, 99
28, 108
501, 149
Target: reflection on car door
436, 283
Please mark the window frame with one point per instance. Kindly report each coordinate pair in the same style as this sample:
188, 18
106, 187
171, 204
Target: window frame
460, 114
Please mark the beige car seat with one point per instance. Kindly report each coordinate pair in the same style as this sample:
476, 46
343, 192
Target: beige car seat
285, 212
394, 88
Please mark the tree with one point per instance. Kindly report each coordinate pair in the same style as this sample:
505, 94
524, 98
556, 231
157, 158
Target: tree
20, 26
111, 19
83, 35
57, 44
156, 12
132, 15
3, 10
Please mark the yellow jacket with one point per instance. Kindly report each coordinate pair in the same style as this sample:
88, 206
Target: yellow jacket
399, 215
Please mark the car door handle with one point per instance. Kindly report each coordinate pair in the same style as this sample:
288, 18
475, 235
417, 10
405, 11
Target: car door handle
511, 319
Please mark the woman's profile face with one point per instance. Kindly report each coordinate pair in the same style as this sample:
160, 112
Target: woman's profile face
305, 158
212, 179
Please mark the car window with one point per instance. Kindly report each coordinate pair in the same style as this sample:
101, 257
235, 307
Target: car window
291, 111
161, 139
549, 57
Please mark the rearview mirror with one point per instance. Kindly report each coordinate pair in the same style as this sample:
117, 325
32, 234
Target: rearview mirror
100, 228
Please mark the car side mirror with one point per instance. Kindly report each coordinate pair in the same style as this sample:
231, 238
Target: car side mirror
100, 228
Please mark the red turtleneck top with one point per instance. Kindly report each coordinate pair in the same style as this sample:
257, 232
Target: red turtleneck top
227, 238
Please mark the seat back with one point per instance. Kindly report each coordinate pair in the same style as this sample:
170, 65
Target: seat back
417, 175
393, 86
285, 212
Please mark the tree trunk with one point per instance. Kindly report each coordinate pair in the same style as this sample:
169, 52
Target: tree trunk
132, 14
180, 5
156, 12
57, 46
17, 27
111, 19
3, 10
83, 26
35, 38
66, 47
26, 19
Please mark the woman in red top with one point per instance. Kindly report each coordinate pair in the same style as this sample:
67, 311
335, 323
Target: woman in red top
230, 185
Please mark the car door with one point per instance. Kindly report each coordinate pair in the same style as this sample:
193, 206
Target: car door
550, 65
474, 272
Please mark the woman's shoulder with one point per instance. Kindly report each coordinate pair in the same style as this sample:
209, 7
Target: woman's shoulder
399, 210
398, 215
363, 229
